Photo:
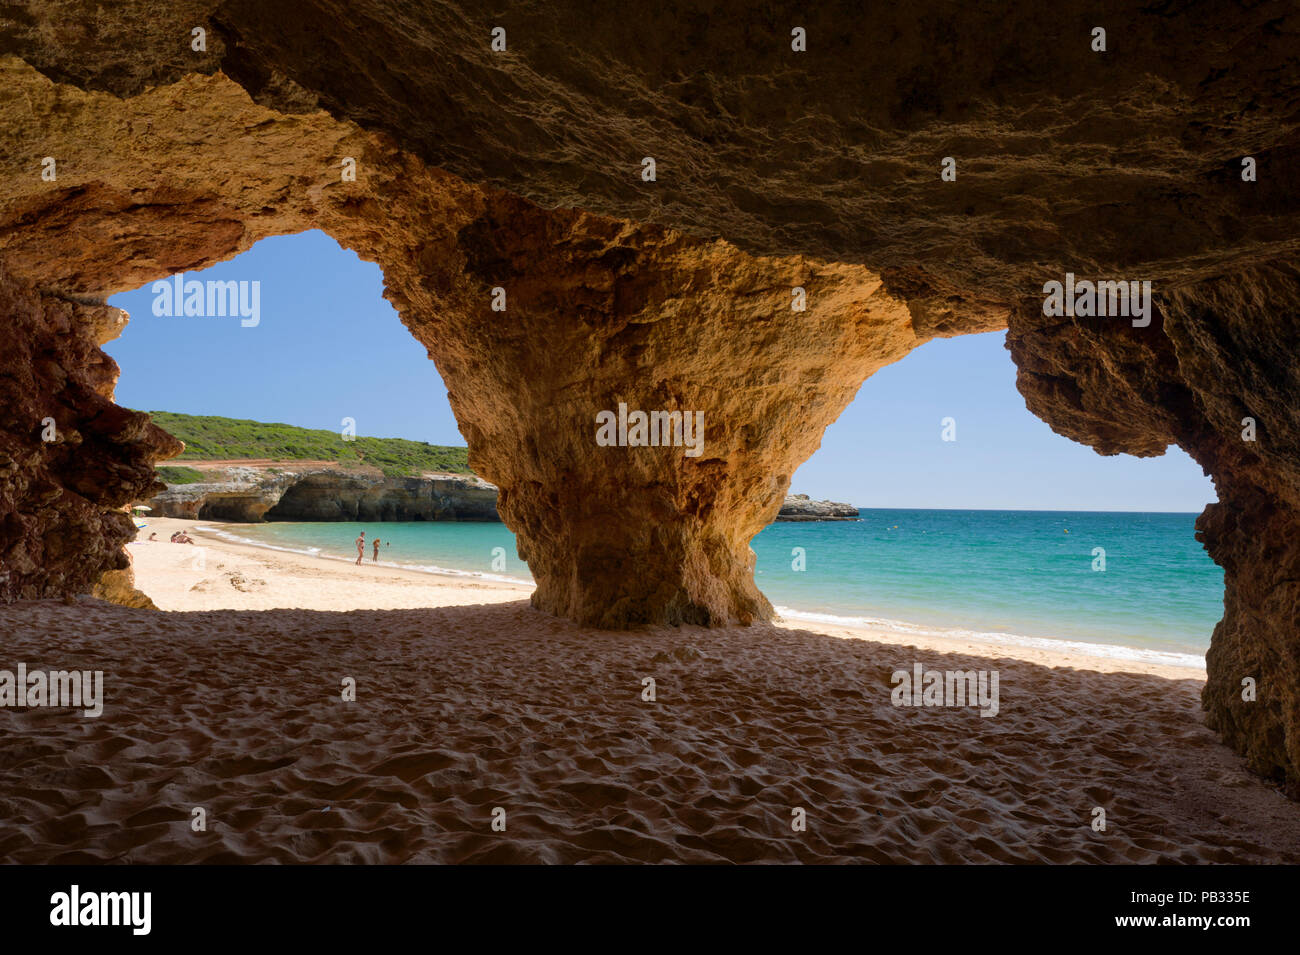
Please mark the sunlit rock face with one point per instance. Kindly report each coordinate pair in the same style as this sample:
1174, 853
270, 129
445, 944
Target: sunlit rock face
539, 320
773, 168
602, 323
254, 495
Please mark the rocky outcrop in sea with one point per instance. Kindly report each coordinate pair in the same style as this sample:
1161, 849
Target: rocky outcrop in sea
799, 507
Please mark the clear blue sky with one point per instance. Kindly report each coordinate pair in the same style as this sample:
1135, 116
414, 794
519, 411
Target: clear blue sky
328, 346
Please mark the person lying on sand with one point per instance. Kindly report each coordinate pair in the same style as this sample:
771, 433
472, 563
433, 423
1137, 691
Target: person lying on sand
376, 554
361, 546
174, 536
183, 538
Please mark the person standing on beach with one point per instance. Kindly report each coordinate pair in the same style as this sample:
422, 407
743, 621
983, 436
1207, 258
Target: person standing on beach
361, 547
375, 558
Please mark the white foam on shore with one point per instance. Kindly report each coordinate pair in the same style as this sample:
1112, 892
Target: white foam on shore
1105, 650
317, 552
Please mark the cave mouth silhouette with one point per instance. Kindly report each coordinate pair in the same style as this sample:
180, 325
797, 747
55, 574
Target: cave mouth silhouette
891, 409
619, 291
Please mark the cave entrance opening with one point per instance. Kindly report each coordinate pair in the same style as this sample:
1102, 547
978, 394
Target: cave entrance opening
976, 518
309, 414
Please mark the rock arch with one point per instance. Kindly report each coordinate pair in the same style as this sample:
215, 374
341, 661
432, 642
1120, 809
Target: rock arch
776, 169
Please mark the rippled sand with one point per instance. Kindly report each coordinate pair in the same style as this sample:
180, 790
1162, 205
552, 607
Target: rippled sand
461, 709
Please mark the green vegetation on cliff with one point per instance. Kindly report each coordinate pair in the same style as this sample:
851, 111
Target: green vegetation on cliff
174, 475
209, 438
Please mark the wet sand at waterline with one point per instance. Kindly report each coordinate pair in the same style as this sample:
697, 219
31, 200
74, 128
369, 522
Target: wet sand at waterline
468, 700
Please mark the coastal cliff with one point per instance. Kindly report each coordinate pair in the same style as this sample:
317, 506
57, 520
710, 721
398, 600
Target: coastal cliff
253, 495
250, 495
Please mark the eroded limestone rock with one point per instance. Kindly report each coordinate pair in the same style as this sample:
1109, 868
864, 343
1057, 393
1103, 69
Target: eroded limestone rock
598, 312
774, 169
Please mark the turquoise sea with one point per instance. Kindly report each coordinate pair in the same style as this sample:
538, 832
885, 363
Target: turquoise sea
1025, 574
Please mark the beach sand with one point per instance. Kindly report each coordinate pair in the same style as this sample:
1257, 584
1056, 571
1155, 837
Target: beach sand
468, 700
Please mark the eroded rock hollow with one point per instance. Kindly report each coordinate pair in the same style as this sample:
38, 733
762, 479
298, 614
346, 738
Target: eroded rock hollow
522, 171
